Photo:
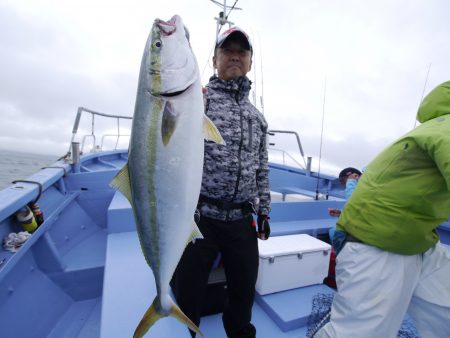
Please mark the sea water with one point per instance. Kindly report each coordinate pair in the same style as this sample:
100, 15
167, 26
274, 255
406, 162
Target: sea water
18, 166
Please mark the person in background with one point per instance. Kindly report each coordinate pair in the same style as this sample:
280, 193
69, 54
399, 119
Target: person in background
235, 185
348, 178
390, 260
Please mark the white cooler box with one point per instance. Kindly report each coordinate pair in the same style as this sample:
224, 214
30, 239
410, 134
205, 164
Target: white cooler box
289, 262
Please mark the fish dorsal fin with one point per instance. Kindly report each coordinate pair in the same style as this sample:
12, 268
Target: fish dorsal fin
210, 131
122, 182
169, 122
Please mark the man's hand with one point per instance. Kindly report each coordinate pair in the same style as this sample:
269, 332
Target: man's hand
263, 227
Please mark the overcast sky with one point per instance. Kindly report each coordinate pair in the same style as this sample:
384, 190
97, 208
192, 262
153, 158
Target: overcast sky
374, 57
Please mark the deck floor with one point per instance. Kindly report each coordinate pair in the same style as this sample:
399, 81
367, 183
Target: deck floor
129, 289
81, 320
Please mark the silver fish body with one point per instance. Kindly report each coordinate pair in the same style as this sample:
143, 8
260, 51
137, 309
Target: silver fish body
163, 175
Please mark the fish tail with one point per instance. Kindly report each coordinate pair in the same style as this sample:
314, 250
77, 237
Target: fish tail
152, 315
176, 312
149, 318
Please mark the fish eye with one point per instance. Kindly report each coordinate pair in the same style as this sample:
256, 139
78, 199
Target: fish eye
157, 44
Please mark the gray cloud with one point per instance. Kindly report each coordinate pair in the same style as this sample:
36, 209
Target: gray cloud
374, 55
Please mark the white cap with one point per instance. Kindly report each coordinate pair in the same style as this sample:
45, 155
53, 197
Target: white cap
234, 31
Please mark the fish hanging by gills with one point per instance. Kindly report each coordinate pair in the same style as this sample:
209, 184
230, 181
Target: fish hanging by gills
162, 178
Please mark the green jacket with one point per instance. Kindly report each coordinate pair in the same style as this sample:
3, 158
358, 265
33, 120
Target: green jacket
404, 194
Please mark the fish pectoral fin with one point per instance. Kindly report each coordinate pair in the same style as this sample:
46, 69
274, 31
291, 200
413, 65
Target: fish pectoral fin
169, 122
149, 318
176, 312
122, 182
195, 234
210, 131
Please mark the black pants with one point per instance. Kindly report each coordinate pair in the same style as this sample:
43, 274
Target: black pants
237, 242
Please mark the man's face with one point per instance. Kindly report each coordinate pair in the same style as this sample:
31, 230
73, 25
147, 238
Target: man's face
232, 60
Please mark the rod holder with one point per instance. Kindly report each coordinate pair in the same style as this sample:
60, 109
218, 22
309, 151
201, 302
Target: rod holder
308, 165
76, 157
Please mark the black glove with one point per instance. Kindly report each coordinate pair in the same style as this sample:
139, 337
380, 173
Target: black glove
263, 226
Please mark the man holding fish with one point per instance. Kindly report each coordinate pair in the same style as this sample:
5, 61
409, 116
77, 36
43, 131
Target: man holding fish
235, 185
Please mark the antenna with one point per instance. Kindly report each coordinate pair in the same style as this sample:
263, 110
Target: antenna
223, 15
221, 20
423, 91
321, 137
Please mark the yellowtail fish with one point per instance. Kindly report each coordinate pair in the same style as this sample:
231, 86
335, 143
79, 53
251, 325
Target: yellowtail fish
163, 175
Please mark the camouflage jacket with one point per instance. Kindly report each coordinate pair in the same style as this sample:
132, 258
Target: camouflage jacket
237, 171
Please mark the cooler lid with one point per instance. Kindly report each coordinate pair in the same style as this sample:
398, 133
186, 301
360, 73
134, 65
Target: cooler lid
292, 244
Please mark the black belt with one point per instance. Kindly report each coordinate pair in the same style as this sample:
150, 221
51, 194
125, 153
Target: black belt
226, 205
351, 238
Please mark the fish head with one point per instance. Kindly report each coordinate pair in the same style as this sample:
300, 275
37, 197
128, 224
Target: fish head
170, 61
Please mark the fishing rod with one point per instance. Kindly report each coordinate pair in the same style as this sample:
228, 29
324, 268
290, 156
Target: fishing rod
321, 139
423, 91
262, 78
255, 75
255, 82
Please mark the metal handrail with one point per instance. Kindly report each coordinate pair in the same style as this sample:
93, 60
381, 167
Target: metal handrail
273, 132
285, 153
93, 113
113, 135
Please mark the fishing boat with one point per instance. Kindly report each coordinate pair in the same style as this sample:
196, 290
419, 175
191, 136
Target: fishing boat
81, 273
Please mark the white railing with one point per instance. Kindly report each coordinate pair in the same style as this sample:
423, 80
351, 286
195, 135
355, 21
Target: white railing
283, 152
92, 135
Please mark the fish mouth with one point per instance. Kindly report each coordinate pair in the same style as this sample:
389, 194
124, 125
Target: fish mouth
167, 28
176, 93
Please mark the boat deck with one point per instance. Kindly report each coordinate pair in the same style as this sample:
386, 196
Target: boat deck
82, 273
126, 269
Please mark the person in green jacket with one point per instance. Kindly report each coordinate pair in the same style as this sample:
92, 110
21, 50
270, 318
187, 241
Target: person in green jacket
391, 261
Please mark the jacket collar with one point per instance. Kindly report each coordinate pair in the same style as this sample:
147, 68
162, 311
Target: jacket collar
239, 87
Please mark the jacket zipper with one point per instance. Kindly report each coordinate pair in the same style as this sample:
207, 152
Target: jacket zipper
239, 152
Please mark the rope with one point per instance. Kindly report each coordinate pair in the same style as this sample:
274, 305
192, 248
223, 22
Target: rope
32, 182
232, 7
14, 241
